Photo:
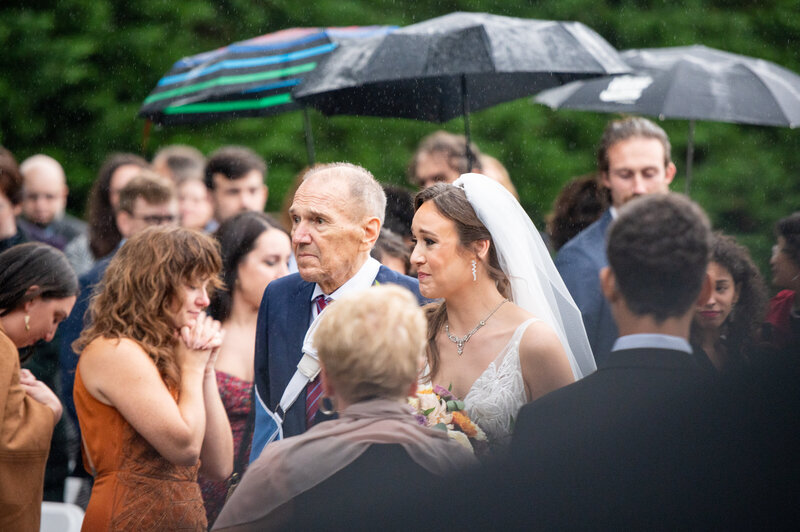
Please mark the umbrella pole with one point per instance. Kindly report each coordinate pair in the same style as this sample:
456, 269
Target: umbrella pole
689, 156
309, 136
148, 126
465, 109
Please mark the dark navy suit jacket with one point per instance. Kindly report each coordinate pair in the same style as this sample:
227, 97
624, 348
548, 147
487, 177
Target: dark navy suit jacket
622, 387
283, 319
579, 262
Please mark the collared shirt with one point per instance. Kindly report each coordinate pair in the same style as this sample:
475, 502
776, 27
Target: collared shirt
364, 278
211, 226
614, 212
652, 341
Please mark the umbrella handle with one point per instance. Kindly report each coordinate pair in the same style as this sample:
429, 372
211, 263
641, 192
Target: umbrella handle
309, 136
148, 126
465, 109
689, 156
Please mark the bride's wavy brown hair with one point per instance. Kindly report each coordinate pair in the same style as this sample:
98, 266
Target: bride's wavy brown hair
452, 203
142, 287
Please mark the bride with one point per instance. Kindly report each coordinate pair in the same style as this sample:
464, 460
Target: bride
507, 330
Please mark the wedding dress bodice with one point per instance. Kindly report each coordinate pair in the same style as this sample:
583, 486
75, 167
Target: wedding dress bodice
499, 392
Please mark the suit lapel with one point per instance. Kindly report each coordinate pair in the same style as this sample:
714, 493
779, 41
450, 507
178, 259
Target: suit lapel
606, 220
304, 292
298, 316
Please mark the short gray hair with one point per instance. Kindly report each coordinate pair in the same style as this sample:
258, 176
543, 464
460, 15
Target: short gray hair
364, 190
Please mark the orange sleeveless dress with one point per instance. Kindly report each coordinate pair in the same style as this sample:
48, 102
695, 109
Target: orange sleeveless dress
135, 488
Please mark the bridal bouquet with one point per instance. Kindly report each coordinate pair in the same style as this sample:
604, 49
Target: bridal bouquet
438, 408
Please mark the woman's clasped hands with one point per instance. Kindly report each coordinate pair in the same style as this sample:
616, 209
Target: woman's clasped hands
200, 342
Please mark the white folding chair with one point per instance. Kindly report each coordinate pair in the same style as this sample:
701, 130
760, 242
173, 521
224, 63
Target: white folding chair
61, 517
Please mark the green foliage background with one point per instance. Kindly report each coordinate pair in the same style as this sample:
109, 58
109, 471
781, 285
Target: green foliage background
73, 74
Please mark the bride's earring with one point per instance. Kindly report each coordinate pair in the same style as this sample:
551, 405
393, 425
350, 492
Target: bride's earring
27, 322
474, 270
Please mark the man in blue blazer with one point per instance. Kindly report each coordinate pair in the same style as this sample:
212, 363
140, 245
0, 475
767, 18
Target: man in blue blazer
633, 159
336, 215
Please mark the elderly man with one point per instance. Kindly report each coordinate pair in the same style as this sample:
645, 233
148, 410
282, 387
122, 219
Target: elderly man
633, 160
336, 215
44, 199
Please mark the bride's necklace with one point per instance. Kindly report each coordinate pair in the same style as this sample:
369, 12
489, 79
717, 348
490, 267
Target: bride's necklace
461, 341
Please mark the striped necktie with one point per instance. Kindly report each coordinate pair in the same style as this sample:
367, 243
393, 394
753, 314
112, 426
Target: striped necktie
314, 387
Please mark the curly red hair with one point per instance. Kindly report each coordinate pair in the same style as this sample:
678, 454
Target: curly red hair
141, 286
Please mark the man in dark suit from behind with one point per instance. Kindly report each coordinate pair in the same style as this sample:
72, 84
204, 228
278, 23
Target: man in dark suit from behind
658, 251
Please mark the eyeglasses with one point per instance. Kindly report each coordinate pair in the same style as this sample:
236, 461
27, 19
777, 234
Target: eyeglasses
157, 219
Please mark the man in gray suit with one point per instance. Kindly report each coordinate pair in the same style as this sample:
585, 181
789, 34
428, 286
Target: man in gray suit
633, 160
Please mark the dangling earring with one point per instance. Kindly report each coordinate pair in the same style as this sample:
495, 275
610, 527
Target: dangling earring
27, 322
323, 405
474, 270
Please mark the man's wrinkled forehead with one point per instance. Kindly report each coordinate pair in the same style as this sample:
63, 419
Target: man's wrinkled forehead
325, 191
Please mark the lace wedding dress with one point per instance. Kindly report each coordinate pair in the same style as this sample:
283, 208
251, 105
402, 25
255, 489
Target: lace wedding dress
499, 392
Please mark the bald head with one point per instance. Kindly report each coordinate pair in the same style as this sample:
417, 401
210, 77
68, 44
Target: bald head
44, 189
363, 192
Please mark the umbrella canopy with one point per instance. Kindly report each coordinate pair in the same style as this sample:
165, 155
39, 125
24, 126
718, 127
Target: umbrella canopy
444, 67
693, 83
248, 78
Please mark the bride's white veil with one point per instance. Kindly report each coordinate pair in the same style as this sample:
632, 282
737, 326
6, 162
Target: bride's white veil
536, 285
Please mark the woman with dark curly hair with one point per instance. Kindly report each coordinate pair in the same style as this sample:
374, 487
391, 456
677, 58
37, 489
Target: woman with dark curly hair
783, 318
578, 205
726, 329
145, 388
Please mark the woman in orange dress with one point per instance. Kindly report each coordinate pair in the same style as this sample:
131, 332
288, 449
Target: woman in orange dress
145, 388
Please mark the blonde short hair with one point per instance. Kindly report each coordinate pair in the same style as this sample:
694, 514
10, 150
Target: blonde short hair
371, 343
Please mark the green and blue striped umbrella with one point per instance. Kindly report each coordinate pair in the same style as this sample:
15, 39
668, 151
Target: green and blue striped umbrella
245, 79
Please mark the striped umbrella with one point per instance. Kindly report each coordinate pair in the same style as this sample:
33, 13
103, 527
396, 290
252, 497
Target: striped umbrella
246, 79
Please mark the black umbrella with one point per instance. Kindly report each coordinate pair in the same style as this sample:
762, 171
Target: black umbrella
690, 82
447, 66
